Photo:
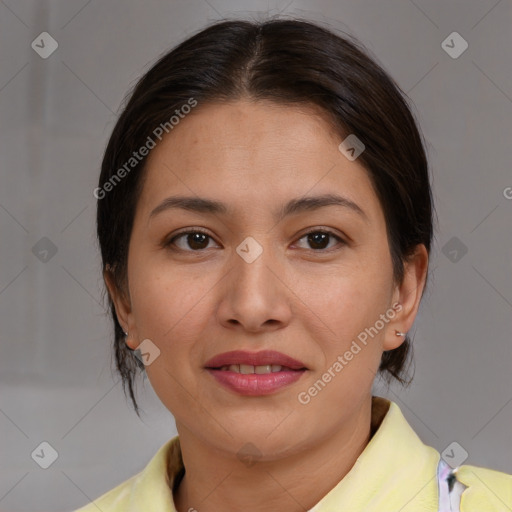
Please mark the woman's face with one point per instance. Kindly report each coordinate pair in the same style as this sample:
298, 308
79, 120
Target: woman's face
254, 280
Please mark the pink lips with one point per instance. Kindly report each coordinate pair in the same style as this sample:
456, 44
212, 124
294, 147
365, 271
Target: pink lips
261, 358
255, 384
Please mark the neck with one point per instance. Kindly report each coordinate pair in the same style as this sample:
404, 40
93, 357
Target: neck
215, 482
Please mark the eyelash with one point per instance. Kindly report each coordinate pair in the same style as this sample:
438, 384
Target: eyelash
170, 242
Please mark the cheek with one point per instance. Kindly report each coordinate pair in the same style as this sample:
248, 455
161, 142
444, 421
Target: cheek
156, 297
169, 305
351, 350
349, 302
154, 304
168, 310
351, 292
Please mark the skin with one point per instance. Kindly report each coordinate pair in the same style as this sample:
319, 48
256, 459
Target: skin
305, 300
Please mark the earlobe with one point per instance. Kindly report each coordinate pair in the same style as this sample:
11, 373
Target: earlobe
130, 342
408, 294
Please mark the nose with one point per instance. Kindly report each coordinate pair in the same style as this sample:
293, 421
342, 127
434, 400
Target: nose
255, 295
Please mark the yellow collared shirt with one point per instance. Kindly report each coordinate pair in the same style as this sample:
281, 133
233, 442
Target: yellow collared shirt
396, 472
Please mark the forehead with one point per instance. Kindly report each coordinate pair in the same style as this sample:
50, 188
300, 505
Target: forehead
248, 153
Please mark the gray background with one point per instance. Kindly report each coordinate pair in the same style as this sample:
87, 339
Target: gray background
56, 116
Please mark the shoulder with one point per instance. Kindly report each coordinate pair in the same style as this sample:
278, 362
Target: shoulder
117, 499
149, 490
487, 489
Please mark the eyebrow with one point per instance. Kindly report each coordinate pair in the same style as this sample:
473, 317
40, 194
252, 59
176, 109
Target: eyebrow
292, 207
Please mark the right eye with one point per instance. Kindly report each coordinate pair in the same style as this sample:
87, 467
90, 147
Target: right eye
196, 240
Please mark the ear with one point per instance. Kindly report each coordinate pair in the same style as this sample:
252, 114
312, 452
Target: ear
122, 304
408, 295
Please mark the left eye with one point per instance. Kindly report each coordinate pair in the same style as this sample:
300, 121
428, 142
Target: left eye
319, 238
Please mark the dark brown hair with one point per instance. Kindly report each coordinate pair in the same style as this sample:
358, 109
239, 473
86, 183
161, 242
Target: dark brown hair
288, 62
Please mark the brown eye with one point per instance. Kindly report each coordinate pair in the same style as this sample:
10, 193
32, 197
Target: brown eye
191, 241
319, 239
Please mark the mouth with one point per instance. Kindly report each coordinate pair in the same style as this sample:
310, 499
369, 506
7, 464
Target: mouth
265, 361
247, 369
255, 373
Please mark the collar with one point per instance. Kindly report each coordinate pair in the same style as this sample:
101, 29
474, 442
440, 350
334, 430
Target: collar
395, 471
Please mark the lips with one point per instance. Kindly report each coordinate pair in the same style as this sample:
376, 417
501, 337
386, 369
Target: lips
255, 373
262, 358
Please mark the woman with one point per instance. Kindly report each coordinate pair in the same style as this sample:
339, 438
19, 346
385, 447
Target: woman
265, 223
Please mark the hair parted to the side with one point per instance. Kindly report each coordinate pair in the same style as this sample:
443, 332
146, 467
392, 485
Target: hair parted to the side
287, 61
